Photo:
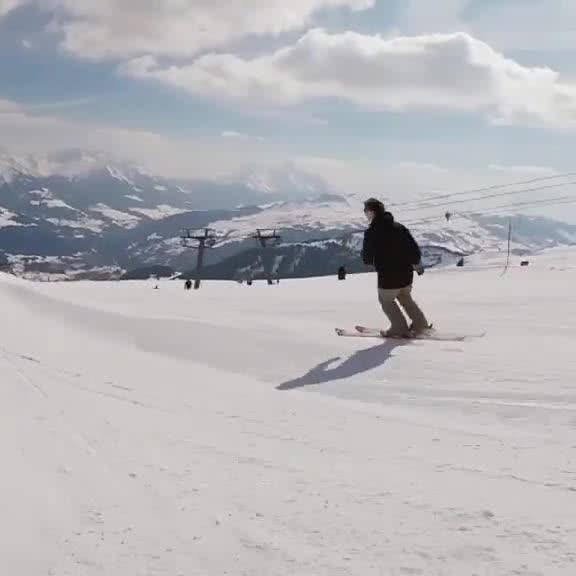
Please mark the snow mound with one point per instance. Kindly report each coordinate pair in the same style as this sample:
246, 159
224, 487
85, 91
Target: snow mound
229, 430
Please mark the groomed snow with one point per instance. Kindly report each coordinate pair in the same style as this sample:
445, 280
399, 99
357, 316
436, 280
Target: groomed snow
229, 431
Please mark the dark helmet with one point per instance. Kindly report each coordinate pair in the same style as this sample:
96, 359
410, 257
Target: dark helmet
374, 205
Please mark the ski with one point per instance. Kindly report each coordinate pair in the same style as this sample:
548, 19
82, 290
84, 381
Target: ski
435, 335
371, 334
430, 333
369, 331
356, 334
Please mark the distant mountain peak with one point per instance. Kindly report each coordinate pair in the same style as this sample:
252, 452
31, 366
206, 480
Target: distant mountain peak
12, 166
287, 180
70, 163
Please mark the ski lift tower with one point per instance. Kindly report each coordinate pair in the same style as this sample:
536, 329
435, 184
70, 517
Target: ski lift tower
198, 240
267, 238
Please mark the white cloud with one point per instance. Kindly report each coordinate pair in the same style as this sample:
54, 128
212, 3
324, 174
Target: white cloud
536, 25
9, 5
102, 29
540, 26
395, 181
240, 135
528, 171
22, 132
453, 72
7, 106
409, 165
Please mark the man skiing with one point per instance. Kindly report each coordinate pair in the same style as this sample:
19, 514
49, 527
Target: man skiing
391, 249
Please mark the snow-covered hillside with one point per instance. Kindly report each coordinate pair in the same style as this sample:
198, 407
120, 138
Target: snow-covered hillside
78, 213
229, 431
106, 213
316, 246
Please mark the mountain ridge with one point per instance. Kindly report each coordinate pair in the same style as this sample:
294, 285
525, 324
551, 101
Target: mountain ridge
82, 215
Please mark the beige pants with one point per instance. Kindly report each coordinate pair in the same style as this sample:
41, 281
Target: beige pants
397, 300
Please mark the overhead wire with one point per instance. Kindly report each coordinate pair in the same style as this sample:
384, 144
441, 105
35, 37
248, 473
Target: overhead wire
543, 202
483, 189
490, 196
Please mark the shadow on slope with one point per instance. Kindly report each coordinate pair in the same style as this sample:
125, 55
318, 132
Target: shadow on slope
360, 362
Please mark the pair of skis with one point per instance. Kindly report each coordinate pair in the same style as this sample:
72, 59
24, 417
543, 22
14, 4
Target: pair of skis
430, 334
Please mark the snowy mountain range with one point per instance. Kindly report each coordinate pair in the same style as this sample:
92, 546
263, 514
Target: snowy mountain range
80, 214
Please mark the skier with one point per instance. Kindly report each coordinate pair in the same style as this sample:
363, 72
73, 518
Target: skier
391, 249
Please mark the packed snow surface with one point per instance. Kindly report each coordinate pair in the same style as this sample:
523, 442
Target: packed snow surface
230, 431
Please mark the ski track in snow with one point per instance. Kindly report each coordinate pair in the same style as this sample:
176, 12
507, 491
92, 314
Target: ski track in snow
229, 431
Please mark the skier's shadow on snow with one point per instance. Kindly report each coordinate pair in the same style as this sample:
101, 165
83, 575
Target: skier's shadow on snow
360, 362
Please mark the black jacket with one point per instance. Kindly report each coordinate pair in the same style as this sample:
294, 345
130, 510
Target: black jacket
392, 250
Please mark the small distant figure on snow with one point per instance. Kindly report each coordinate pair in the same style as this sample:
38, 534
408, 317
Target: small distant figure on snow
391, 249
460, 263
188, 284
342, 273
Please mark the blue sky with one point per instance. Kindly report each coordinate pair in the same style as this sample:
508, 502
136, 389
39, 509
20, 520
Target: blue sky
354, 88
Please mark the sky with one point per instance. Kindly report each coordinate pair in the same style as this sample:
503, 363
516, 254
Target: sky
367, 93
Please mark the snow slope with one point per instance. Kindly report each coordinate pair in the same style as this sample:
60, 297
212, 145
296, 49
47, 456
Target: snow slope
229, 431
